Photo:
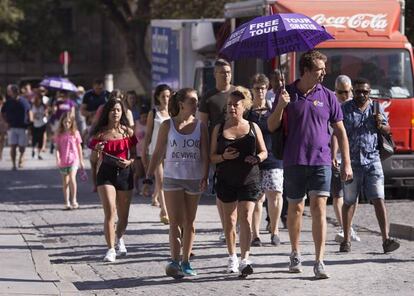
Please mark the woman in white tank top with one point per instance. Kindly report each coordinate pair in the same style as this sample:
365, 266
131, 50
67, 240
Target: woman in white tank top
184, 141
155, 118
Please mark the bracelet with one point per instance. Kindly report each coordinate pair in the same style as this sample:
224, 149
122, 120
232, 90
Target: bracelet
222, 157
147, 181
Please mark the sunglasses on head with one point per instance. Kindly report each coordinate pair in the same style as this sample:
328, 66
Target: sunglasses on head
361, 92
341, 92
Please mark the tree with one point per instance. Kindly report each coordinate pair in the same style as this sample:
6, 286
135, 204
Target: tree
132, 18
30, 27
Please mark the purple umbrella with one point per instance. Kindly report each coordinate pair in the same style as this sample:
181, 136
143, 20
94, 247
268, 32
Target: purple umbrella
59, 83
269, 36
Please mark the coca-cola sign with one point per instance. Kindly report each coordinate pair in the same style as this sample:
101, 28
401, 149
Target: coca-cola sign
376, 22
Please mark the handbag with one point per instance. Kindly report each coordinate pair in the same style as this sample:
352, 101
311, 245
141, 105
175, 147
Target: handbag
386, 145
110, 159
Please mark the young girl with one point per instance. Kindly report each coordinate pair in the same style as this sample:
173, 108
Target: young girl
68, 157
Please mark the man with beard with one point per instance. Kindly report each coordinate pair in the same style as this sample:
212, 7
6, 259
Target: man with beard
310, 109
363, 126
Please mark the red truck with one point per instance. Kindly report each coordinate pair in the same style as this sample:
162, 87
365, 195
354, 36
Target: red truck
369, 42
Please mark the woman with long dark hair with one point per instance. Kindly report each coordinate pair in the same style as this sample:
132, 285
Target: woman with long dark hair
114, 143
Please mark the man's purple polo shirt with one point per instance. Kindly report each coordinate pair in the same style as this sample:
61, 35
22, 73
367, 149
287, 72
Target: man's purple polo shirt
308, 138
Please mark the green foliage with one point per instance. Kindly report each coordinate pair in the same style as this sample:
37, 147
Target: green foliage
10, 16
33, 26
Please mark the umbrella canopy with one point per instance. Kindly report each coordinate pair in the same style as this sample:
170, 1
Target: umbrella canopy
58, 83
266, 37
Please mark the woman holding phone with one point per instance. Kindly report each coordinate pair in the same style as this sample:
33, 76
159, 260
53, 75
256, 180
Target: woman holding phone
237, 148
114, 143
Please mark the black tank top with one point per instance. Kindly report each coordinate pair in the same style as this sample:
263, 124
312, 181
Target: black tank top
237, 172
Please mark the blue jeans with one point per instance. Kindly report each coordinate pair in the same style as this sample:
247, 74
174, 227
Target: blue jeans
368, 179
305, 179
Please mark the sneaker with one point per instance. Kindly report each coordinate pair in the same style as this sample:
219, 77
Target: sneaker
345, 247
110, 256
121, 250
354, 236
232, 264
245, 268
67, 207
173, 269
222, 237
390, 245
339, 237
275, 240
295, 265
319, 270
256, 242
187, 269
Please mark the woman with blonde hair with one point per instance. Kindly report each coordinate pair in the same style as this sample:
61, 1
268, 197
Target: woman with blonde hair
237, 148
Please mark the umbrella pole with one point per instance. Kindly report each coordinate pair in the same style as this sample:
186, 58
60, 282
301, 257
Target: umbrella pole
282, 75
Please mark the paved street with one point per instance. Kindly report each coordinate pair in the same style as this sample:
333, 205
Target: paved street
48, 251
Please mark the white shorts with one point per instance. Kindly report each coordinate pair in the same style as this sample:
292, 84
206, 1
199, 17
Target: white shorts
17, 136
272, 180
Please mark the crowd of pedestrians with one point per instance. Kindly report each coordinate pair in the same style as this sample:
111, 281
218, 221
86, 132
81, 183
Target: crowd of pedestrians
173, 148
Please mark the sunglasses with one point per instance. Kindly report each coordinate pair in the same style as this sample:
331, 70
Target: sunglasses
361, 92
341, 92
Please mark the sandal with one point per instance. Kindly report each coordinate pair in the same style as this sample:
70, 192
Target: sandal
164, 220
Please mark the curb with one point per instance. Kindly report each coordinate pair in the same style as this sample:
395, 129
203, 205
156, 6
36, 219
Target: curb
402, 231
42, 263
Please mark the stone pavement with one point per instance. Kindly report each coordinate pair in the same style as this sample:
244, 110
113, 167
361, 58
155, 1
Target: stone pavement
47, 251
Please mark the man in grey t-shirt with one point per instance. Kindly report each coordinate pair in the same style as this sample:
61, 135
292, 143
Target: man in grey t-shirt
212, 108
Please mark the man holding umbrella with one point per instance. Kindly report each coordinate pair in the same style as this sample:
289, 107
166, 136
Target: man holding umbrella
310, 108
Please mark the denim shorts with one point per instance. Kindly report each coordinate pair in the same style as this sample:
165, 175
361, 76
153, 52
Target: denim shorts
191, 187
368, 179
336, 184
302, 180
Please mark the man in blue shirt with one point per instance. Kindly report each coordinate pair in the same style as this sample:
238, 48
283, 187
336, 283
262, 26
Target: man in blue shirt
363, 128
16, 112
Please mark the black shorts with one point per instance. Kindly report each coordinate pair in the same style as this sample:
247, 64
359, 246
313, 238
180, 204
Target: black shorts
228, 193
121, 179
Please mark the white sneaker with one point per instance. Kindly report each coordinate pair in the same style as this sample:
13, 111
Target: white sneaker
339, 237
121, 250
232, 264
354, 236
245, 268
110, 255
